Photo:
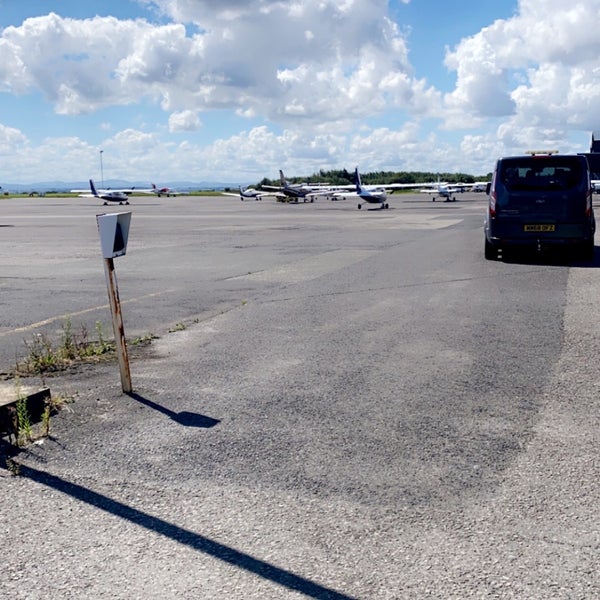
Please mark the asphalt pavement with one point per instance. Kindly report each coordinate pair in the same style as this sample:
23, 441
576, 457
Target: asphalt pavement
354, 405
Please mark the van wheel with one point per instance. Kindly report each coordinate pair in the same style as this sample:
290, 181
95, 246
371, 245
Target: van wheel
490, 251
587, 250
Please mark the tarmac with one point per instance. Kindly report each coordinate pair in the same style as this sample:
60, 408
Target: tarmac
342, 432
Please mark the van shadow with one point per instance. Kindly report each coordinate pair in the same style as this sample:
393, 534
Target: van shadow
553, 257
185, 418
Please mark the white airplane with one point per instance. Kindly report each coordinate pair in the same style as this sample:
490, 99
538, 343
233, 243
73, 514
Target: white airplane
443, 190
370, 194
120, 196
163, 191
249, 194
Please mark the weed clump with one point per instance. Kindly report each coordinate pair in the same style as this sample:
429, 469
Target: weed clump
43, 357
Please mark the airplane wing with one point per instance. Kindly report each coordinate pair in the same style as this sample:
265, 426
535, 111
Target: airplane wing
272, 187
405, 186
128, 191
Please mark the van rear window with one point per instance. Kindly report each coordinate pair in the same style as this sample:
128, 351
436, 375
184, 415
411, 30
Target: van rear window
552, 173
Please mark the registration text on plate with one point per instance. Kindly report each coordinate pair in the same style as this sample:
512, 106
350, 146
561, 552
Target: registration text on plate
539, 227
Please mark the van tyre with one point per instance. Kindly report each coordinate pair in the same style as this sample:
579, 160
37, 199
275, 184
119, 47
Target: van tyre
587, 250
490, 251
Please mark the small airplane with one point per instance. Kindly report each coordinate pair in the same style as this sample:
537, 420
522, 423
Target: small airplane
478, 186
293, 193
369, 194
120, 196
443, 190
165, 191
249, 193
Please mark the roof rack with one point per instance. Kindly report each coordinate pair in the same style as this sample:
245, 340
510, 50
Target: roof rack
544, 152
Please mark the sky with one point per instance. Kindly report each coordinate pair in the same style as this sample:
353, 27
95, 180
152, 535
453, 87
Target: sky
234, 90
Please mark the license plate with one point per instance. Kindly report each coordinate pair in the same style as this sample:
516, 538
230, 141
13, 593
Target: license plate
539, 227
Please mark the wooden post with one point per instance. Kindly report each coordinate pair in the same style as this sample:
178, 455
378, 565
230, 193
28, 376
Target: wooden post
117, 319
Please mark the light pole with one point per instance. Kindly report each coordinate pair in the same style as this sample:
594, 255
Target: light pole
101, 168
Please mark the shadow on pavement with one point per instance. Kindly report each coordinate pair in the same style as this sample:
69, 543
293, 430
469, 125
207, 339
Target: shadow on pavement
196, 541
183, 418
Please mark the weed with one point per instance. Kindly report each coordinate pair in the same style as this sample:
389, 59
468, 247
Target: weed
24, 428
13, 466
178, 327
104, 347
52, 405
75, 346
143, 340
46, 420
68, 349
41, 356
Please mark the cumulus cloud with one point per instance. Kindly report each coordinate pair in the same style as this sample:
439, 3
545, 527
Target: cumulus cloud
538, 70
311, 61
185, 120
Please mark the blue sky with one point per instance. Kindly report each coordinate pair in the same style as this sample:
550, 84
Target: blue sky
218, 90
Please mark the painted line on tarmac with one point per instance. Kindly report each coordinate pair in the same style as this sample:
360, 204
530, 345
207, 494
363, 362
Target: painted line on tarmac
50, 320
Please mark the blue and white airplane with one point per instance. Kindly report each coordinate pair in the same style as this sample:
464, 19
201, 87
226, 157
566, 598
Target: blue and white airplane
370, 194
120, 196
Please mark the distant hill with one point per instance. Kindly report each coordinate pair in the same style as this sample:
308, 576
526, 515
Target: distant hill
65, 186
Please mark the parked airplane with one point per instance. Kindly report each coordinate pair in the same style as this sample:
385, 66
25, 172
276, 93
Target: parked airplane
165, 191
443, 190
370, 194
120, 196
478, 186
306, 193
249, 193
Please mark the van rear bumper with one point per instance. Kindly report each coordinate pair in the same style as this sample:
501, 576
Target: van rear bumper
565, 234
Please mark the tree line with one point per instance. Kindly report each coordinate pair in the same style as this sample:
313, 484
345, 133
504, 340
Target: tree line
342, 177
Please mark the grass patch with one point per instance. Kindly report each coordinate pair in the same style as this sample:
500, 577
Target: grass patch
43, 356
143, 340
26, 426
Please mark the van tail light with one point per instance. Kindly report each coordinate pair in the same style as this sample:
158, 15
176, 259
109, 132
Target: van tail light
588, 203
493, 199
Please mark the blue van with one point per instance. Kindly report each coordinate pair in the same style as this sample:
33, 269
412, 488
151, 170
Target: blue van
540, 200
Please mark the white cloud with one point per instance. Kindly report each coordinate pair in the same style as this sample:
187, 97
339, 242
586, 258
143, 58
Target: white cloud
186, 120
313, 60
538, 70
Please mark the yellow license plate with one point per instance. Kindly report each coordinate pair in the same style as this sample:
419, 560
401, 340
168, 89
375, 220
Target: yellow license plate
539, 227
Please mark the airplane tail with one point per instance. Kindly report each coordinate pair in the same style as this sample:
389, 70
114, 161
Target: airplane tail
93, 188
283, 180
357, 180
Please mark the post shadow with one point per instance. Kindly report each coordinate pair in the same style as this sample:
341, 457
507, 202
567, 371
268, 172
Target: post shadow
188, 538
188, 419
